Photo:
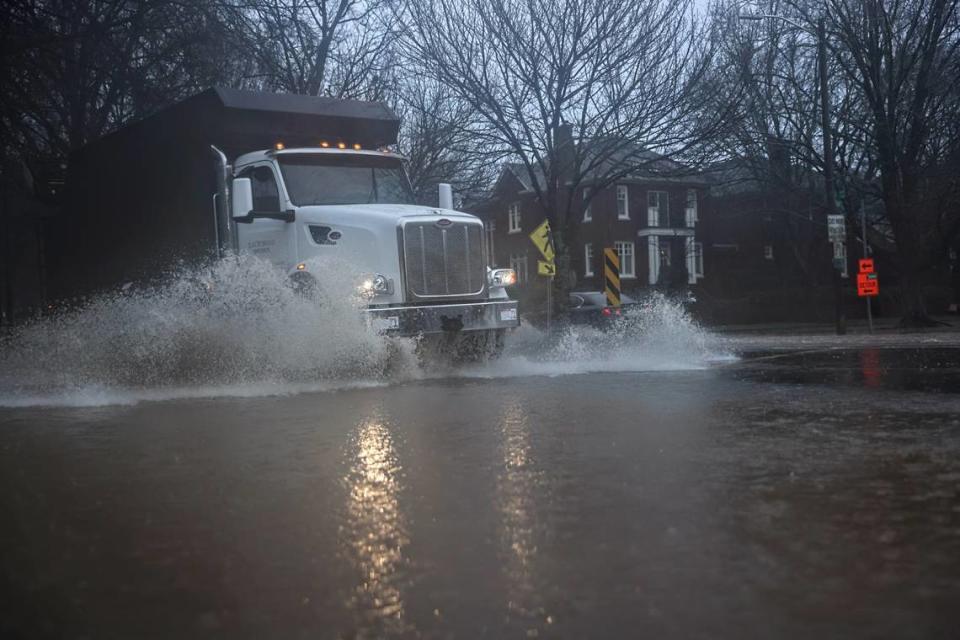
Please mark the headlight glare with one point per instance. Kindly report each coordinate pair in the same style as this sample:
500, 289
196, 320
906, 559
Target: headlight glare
502, 277
375, 285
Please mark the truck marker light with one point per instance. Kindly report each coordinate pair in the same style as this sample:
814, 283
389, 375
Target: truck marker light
279, 146
301, 266
341, 145
324, 144
357, 146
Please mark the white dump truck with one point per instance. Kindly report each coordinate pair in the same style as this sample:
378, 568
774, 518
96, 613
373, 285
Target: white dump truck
293, 180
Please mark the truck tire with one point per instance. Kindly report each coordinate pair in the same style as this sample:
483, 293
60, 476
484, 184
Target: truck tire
463, 347
305, 285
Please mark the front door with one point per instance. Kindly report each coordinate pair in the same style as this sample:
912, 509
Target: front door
266, 238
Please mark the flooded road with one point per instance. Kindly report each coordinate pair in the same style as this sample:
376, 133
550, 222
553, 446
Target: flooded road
783, 493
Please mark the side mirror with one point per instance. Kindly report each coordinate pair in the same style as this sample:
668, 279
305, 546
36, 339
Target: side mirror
242, 200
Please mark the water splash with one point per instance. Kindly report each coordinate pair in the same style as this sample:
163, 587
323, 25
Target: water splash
656, 335
235, 324
236, 329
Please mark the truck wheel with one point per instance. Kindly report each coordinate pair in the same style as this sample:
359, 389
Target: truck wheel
479, 346
305, 285
462, 348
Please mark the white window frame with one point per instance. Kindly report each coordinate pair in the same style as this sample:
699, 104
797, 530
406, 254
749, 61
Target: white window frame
513, 218
588, 208
654, 213
518, 262
588, 260
623, 196
691, 211
622, 253
768, 252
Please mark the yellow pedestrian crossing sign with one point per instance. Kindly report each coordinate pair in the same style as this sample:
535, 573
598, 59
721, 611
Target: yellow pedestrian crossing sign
546, 268
541, 238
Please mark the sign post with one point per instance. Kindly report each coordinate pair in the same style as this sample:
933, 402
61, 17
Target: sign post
863, 234
547, 267
868, 286
611, 276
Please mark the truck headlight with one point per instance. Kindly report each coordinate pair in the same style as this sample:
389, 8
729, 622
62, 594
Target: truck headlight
502, 277
375, 285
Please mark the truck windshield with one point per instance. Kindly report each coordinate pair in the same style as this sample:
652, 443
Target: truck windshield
344, 179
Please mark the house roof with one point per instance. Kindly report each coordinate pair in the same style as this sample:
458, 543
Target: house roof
649, 166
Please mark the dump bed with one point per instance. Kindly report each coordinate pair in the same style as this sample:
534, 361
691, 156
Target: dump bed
139, 201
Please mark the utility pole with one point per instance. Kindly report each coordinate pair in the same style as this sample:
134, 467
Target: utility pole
841, 319
863, 232
821, 36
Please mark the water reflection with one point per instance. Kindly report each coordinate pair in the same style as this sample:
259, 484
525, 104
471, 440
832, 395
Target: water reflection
516, 489
870, 366
376, 531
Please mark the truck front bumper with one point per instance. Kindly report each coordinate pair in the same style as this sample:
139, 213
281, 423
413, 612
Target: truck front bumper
470, 316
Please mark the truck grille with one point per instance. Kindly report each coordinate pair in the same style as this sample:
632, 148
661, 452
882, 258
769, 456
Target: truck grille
443, 261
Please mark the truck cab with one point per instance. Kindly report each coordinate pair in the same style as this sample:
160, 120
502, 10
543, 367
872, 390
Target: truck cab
421, 269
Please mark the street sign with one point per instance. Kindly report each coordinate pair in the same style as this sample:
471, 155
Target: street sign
611, 276
541, 238
836, 228
866, 265
546, 268
868, 285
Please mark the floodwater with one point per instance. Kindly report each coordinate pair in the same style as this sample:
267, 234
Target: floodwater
780, 489
220, 458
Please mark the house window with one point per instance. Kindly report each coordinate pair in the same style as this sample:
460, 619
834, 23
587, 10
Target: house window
666, 255
623, 203
768, 251
698, 259
656, 208
513, 217
587, 211
587, 260
691, 211
625, 253
518, 262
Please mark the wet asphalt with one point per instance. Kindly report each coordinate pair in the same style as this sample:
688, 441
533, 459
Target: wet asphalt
810, 493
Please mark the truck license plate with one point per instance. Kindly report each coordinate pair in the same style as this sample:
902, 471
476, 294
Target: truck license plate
508, 315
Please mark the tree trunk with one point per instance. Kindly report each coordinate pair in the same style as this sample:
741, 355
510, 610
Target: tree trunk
914, 308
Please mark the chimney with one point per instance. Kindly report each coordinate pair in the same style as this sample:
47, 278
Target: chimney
565, 152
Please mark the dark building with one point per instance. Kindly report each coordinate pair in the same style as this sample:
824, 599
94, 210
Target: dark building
651, 219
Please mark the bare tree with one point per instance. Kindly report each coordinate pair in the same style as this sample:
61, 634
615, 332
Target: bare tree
75, 69
339, 48
625, 74
436, 137
903, 57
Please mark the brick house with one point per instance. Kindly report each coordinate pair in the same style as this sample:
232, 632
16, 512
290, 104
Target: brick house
651, 219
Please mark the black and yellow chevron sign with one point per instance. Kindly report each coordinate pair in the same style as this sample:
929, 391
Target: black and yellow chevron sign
611, 276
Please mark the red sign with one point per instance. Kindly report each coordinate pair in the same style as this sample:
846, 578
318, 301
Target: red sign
868, 285
866, 265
